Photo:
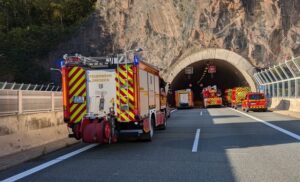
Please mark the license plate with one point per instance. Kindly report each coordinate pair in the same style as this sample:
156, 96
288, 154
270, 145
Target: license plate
78, 99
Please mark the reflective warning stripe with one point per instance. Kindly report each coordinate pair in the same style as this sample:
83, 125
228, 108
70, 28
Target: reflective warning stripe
257, 107
214, 101
125, 93
241, 93
77, 87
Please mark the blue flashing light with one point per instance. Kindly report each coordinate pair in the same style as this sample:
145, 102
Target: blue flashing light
60, 62
136, 60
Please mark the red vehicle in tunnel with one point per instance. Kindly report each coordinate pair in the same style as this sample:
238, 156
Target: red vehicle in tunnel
237, 95
212, 97
254, 101
106, 97
227, 97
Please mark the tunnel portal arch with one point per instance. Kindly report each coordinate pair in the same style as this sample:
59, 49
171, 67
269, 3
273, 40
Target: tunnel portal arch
237, 61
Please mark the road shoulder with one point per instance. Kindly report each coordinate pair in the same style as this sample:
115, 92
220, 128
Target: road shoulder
20, 157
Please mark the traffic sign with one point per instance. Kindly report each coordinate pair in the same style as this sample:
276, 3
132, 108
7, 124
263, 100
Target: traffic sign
212, 69
189, 70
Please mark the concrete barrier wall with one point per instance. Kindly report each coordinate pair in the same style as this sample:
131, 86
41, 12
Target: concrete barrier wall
290, 104
26, 131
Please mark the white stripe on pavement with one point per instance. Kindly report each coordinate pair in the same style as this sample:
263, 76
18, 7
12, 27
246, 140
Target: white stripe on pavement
201, 113
293, 135
48, 164
196, 141
173, 110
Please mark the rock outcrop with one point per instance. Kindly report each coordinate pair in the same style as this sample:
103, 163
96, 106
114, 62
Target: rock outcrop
263, 31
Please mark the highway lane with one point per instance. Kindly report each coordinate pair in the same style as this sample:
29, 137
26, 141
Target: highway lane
231, 147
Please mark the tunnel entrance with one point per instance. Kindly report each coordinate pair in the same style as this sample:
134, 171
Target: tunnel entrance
226, 76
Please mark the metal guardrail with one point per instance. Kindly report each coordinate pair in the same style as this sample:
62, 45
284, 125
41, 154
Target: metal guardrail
24, 101
35, 87
282, 80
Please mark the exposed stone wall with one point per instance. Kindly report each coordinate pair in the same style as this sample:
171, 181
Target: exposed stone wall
265, 32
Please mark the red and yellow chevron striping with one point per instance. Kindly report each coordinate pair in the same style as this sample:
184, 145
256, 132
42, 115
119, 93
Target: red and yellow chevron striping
125, 93
257, 107
77, 87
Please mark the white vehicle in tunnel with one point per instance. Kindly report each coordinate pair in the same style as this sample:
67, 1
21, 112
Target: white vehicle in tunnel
184, 98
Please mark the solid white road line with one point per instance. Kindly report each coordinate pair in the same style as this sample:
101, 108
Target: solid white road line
48, 164
293, 135
196, 141
173, 110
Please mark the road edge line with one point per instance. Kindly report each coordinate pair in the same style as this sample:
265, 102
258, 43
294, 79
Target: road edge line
47, 164
291, 134
173, 110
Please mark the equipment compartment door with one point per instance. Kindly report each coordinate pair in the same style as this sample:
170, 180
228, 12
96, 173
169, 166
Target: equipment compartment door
101, 91
144, 95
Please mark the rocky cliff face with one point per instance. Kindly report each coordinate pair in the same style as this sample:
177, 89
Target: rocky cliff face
263, 31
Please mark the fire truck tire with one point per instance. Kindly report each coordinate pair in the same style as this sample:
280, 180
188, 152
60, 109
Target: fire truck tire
164, 125
107, 132
148, 136
77, 133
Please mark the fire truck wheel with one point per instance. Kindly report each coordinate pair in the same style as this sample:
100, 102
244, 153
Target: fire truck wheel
107, 132
148, 136
164, 125
152, 127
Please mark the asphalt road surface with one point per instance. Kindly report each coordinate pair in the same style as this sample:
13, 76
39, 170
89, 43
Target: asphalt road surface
231, 147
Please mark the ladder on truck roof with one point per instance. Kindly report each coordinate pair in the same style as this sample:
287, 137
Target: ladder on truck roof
94, 62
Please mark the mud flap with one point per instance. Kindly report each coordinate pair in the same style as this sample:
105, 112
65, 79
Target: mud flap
76, 131
148, 130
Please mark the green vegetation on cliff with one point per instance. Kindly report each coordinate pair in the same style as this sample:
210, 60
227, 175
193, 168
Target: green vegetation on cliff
29, 29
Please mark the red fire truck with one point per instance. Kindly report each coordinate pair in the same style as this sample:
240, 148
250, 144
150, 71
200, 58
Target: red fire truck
227, 97
237, 95
106, 97
255, 101
211, 97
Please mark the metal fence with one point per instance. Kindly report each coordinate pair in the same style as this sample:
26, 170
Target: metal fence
282, 80
23, 86
24, 101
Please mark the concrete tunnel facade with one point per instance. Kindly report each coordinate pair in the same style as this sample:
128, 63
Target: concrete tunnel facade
232, 70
